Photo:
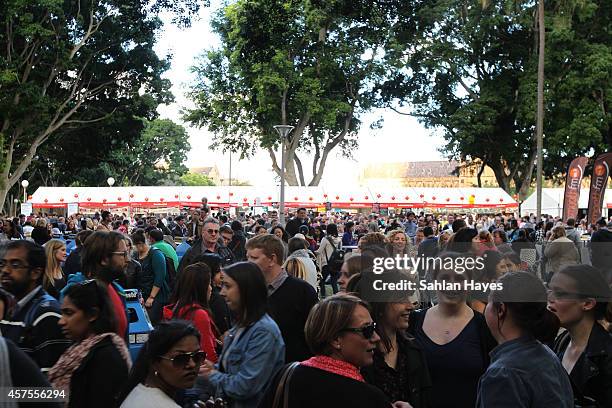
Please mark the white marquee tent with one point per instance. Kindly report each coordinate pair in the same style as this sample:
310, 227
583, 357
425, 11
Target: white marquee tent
552, 201
494, 199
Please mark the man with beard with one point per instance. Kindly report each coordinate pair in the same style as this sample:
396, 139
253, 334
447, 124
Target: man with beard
33, 322
104, 258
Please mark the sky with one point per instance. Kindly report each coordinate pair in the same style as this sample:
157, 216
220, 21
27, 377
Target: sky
400, 139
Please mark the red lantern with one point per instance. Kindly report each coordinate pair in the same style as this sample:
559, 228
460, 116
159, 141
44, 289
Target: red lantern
447, 199
146, 198
88, 198
501, 200
378, 195
104, 200
29, 197
245, 199
269, 198
176, 196
324, 195
462, 198
131, 195
310, 198
366, 197
393, 197
487, 200
46, 201
337, 197
189, 197
218, 197
161, 199
295, 198
61, 200
76, 196
433, 198
422, 196
231, 194
351, 198
407, 198
118, 198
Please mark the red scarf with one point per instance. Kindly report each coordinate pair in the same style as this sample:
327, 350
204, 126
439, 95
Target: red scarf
334, 366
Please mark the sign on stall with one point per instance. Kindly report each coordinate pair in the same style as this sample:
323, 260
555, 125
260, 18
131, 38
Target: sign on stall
257, 201
73, 208
26, 209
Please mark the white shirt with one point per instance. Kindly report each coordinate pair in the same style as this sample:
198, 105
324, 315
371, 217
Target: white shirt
142, 396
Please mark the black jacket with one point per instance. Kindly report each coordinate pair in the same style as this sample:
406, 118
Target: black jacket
73, 262
412, 385
592, 375
238, 246
293, 226
227, 257
601, 250
35, 330
99, 378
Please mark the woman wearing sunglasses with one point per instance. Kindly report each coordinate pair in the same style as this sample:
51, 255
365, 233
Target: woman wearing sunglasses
254, 349
399, 369
96, 366
342, 336
579, 296
168, 362
523, 371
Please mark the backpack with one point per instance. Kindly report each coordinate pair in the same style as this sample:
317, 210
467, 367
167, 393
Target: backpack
170, 271
336, 259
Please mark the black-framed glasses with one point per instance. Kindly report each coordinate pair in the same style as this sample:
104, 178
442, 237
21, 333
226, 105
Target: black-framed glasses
366, 331
181, 360
13, 264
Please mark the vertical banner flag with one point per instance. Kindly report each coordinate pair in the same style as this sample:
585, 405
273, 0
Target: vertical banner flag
599, 181
573, 181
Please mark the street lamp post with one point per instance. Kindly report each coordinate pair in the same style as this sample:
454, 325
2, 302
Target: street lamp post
16, 202
25, 184
283, 131
110, 181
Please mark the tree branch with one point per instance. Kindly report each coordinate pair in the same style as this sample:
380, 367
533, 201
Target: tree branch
298, 163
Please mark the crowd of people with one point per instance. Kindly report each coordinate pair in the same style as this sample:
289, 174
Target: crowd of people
258, 314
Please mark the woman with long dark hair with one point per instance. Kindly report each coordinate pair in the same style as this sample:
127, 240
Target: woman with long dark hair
399, 369
168, 363
96, 366
254, 349
189, 301
523, 371
154, 286
579, 296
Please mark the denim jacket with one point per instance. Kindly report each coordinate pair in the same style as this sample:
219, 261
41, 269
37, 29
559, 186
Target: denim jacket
524, 373
251, 363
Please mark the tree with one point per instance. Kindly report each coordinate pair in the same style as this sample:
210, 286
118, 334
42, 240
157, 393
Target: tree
471, 72
310, 64
194, 179
66, 64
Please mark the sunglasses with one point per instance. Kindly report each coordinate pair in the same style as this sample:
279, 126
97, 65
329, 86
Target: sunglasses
181, 360
366, 331
211, 231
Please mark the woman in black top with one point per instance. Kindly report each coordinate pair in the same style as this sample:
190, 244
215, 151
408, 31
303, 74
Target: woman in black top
579, 296
455, 339
399, 368
95, 367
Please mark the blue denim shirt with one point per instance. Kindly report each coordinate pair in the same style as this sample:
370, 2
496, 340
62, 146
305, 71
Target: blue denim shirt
252, 362
524, 373
411, 228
